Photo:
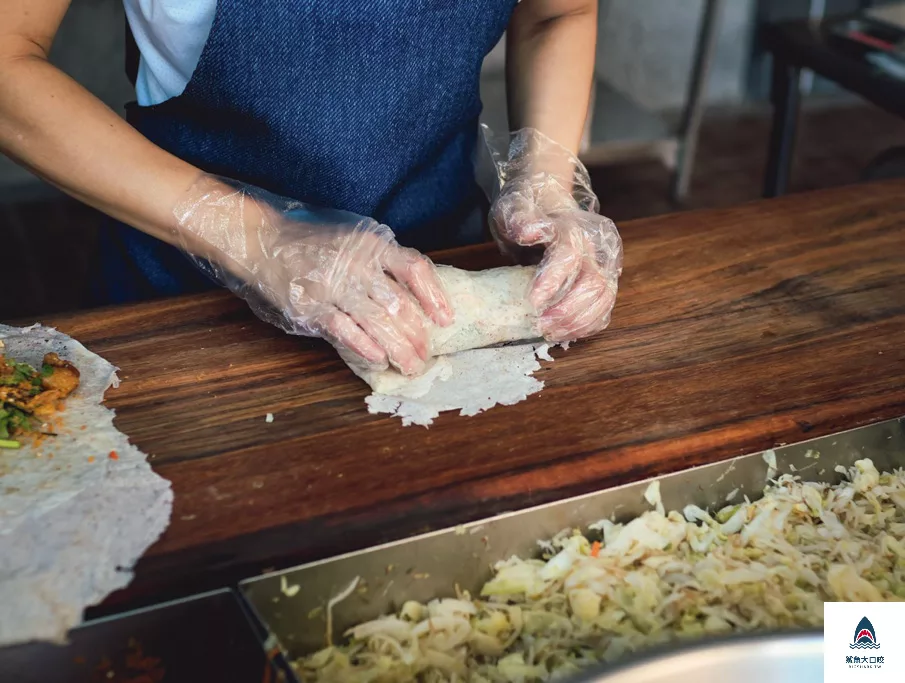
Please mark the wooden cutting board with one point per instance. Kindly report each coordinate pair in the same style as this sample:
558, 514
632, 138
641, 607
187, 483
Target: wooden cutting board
735, 330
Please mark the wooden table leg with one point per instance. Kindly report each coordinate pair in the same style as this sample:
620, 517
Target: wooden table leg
785, 95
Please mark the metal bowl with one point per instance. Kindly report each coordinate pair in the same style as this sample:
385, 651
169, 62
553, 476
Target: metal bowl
777, 658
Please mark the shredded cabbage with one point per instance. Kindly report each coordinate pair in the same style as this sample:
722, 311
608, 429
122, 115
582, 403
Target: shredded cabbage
765, 564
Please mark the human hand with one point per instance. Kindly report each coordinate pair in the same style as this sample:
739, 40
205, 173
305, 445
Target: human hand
316, 272
545, 202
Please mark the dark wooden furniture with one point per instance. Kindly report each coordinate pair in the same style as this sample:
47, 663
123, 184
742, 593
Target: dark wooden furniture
735, 330
797, 45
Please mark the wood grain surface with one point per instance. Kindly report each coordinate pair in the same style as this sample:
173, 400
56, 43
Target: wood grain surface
735, 330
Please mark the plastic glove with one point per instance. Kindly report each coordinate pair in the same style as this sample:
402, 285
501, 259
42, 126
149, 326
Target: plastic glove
315, 272
543, 200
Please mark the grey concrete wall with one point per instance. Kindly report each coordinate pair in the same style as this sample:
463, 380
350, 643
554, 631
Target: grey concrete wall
645, 49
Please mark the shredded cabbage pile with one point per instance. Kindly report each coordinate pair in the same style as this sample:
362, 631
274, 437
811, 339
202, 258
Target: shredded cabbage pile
757, 565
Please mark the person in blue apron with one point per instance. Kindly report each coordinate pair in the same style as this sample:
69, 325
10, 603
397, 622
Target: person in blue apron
304, 153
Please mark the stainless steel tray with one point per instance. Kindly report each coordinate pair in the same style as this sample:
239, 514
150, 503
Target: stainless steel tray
774, 657
292, 602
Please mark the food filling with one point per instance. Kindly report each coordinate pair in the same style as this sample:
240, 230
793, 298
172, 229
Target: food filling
594, 597
29, 398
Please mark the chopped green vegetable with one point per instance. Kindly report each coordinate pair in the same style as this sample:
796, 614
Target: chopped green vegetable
28, 397
24, 382
21, 372
6, 443
14, 419
726, 513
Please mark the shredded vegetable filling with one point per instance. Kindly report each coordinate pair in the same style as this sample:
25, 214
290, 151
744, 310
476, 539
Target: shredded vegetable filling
757, 565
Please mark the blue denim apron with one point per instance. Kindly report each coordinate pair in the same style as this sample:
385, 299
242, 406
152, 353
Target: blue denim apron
365, 105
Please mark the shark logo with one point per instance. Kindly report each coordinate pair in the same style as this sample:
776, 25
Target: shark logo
865, 636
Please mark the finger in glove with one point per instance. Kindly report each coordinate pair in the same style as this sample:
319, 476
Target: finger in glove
518, 219
558, 270
402, 308
352, 342
584, 310
416, 272
382, 328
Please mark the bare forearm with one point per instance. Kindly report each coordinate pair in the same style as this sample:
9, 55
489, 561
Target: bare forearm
61, 132
550, 67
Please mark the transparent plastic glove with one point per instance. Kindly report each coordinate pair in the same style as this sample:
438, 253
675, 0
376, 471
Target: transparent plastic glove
542, 202
315, 272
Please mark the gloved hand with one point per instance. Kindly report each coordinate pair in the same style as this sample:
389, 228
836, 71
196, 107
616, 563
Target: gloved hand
315, 272
543, 200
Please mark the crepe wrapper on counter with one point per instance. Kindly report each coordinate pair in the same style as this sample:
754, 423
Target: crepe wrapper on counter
491, 307
466, 374
77, 509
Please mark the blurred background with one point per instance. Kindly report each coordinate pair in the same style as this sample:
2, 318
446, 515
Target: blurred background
659, 140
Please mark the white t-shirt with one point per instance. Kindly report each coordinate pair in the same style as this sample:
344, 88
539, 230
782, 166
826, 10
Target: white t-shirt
170, 35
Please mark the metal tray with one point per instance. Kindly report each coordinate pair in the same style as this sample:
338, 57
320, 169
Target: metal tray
774, 657
208, 637
291, 603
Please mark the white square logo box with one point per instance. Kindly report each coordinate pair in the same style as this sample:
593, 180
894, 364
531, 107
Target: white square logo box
864, 641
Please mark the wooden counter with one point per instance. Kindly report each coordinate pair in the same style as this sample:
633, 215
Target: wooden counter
735, 330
